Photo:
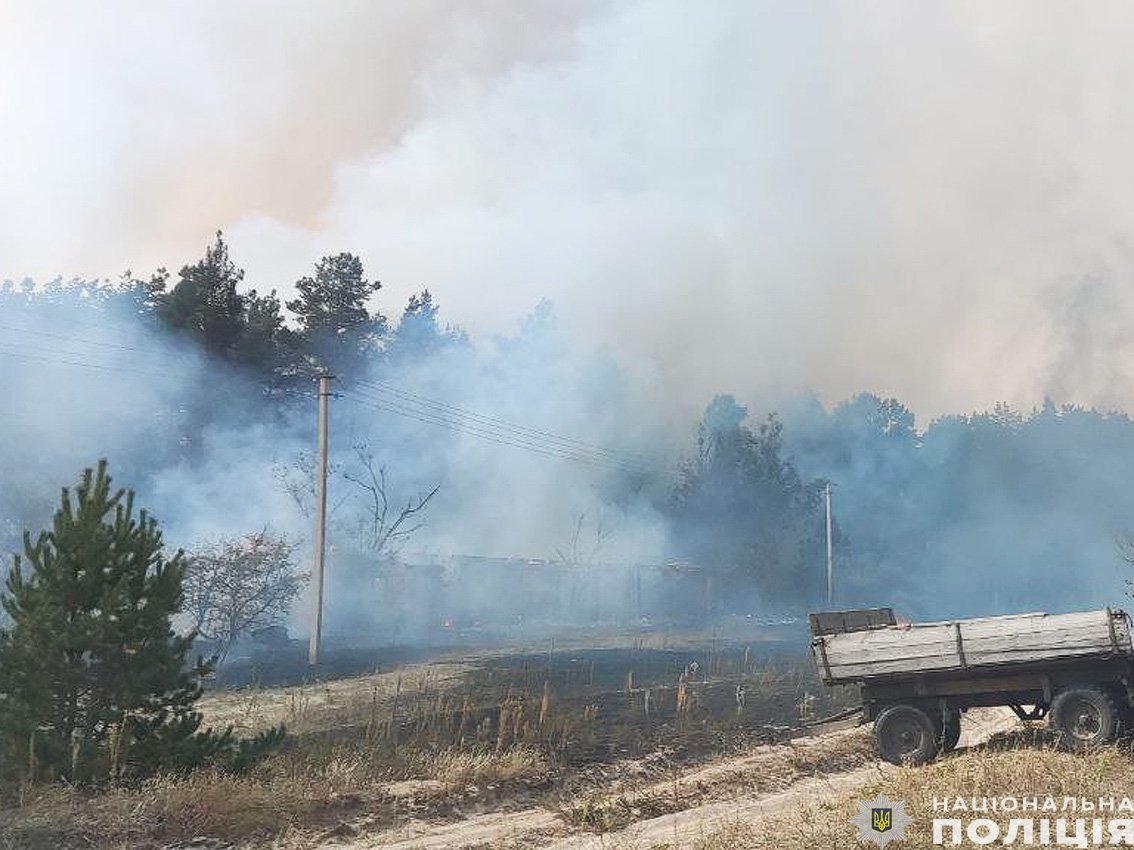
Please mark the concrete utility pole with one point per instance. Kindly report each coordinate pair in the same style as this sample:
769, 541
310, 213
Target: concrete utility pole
830, 560
320, 519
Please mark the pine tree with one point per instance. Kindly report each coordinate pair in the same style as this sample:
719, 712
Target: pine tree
336, 327
419, 335
93, 679
741, 509
205, 301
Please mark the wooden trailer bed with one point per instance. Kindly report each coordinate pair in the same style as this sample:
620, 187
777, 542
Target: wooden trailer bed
957, 645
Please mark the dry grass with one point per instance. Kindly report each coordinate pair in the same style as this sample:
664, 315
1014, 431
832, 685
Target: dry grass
732, 835
296, 796
1021, 765
326, 705
290, 793
161, 810
478, 767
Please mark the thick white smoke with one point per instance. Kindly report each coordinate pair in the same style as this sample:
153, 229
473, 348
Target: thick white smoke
755, 196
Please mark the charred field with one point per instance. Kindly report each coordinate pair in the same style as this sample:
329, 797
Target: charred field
621, 696
510, 727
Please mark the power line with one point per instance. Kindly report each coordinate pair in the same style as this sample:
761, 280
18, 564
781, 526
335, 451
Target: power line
520, 440
83, 340
111, 318
69, 352
70, 338
545, 449
81, 364
486, 434
505, 425
166, 362
406, 404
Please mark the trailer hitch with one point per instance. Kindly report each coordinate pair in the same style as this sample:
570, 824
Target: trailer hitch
1038, 712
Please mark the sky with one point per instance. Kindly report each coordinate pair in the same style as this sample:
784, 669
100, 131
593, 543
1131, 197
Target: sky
920, 200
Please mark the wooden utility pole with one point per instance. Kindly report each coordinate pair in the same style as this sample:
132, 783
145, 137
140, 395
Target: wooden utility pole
320, 519
830, 560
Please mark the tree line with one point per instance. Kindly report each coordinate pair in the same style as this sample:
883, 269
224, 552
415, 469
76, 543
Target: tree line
1011, 499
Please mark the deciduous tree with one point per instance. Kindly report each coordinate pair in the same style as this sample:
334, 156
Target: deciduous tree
239, 585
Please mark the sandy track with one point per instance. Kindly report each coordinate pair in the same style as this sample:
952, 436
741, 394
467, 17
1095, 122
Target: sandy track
728, 801
493, 829
683, 827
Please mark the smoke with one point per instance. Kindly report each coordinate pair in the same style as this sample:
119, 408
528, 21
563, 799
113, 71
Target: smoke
62, 397
531, 451
132, 132
753, 198
757, 196
488, 424
984, 514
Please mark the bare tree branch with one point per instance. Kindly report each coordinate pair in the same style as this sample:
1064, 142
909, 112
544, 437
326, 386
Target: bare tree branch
297, 479
575, 553
378, 532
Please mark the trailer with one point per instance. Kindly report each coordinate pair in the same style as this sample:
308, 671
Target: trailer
917, 679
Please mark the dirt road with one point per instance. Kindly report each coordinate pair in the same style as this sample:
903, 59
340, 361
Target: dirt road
678, 809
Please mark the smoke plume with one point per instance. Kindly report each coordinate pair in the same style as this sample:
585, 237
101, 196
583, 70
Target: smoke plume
756, 198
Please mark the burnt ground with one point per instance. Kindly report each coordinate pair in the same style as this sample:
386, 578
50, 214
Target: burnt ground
582, 699
276, 660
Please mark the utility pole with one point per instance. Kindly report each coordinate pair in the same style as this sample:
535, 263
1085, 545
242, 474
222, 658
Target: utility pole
320, 519
830, 560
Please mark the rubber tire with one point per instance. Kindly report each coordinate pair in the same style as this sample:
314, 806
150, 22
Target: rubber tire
1109, 717
951, 732
916, 722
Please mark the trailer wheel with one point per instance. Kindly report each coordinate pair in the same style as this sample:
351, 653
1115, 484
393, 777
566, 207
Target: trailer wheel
1127, 718
904, 734
1085, 717
951, 731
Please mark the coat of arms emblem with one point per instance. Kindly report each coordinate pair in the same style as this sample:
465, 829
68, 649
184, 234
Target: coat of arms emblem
881, 821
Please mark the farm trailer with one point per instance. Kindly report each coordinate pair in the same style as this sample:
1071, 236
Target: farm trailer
917, 679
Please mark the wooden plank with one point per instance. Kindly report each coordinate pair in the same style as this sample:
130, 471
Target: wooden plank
838, 622
837, 655
855, 670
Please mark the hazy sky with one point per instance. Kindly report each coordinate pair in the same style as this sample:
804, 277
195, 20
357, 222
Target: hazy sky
927, 200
